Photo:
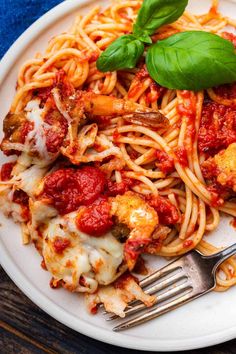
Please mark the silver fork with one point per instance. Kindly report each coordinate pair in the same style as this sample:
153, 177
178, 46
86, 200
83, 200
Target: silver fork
181, 281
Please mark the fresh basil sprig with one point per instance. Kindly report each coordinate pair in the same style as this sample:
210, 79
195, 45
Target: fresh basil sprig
123, 53
192, 60
154, 14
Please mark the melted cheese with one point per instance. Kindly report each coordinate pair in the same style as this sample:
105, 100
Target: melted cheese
29, 179
115, 300
36, 137
96, 259
8, 207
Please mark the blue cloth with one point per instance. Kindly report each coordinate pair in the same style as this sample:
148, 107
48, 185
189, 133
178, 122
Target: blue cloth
17, 15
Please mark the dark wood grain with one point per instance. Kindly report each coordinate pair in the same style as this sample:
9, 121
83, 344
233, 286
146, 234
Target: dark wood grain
24, 328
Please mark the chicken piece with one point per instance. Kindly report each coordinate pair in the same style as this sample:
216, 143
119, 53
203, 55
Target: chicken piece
12, 126
117, 296
222, 167
141, 219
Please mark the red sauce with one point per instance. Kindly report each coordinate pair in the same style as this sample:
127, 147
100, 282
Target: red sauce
95, 219
217, 193
188, 107
69, 188
155, 92
137, 85
230, 37
233, 222
60, 244
43, 93
114, 188
210, 172
94, 310
167, 212
62, 82
214, 11
103, 121
142, 73
55, 135
181, 155
124, 280
188, 243
165, 162
116, 135
217, 128
25, 129
227, 91
20, 197
133, 154
209, 169
56, 284
43, 265
6, 171
134, 247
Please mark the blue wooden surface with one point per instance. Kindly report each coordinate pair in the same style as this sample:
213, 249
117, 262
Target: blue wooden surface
17, 15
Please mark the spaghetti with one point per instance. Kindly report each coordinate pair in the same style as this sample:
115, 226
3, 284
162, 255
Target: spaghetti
166, 165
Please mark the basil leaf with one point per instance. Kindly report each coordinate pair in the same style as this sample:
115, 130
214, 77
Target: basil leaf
123, 53
155, 13
192, 60
144, 37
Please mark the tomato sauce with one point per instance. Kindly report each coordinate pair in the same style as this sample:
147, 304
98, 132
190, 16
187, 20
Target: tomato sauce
210, 172
60, 244
217, 128
116, 136
218, 193
6, 171
188, 243
67, 189
233, 222
167, 212
181, 156
227, 91
188, 107
62, 82
21, 198
124, 280
95, 219
114, 188
57, 131
165, 162
230, 37
155, 92
25, 129
134, 247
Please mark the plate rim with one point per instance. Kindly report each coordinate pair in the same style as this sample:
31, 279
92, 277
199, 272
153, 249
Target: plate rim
31, 291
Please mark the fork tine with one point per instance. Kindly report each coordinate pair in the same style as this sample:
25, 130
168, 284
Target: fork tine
162, 297
161, 272
156, 312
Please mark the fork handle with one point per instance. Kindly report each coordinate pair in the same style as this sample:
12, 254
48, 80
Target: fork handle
223, 255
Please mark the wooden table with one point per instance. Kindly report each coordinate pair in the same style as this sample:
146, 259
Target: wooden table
24, 328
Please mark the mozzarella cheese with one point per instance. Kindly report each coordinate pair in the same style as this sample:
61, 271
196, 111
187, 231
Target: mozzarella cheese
30, 179
95, 259
8, 207
37, 137
116, 299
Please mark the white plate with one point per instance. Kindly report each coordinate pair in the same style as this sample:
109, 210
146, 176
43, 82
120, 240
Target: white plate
206, 321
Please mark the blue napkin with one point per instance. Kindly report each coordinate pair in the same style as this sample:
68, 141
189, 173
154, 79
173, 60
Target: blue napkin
17, 15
